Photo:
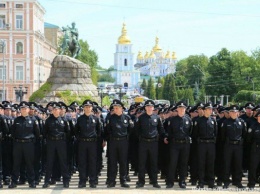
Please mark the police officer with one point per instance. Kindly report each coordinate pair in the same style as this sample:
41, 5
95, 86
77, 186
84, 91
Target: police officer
194, 147
248, 118
87, 130
24, 132
56, 131
118, 127
179, 131
205, 132
7, 143
149, 126
1, 136
220, 147
254, 139
233, 132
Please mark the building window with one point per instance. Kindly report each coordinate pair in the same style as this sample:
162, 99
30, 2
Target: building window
125, 62
19, 22
2, 74
19, 72
125, 85
2, 5
19, 48
19, 6
2, 21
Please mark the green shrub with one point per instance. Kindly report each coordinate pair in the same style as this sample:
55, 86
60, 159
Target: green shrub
41, 92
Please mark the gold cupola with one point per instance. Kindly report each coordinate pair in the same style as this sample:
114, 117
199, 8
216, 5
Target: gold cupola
140, 56
174, 55
157, 48
152, 55
168, 56
124, 39
146, 56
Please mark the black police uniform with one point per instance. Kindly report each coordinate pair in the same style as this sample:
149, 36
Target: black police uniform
233, 134
219, 152
205, 132
118, 128
24, 132
7, 144
148, 127
38, 151
1, 136
179, 131
56, 131
249, 120
87, 130
254, 139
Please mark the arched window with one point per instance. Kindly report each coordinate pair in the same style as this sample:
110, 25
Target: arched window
125, 85
19, 48
125, 62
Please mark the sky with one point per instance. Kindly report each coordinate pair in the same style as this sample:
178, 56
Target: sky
187, 27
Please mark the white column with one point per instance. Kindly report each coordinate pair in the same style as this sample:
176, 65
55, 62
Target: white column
27, 16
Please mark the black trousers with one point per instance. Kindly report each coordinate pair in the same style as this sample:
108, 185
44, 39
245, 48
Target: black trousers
163, 157
193, 161
254, 162
23, 151
7, 155
206, 161
179, 156
118, 152
148, 151
38, 159
219, 161
233, 155
58, 147
87, 161
1, 166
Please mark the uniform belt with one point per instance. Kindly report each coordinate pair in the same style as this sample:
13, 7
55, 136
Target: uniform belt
119, 138
87, 139
234, 142
179, 140
56, 138
23, 140
207, 141
149, 139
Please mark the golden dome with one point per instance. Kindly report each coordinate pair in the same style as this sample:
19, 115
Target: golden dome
146, 56
174, 55
152, 55
140, 56
167, 56
124, 39
157, 48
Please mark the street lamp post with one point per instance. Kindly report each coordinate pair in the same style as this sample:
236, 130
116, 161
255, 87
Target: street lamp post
3, 45
19, 92
100, 91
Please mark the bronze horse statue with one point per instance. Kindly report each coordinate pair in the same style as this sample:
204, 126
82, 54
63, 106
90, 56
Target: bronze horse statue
70, 41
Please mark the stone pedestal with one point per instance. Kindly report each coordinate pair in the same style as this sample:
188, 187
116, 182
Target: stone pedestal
70, 74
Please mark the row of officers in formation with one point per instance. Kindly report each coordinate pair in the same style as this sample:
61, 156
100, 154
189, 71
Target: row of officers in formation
213, 145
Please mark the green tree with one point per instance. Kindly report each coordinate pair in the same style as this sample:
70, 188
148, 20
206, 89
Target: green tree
105, 78
150, 89
89, 57
106, 101
173, 96
166, 88
220, 70
159, 90
144, 87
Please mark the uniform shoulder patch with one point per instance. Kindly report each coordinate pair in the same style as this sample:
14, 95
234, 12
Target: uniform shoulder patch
195, 123
249, 130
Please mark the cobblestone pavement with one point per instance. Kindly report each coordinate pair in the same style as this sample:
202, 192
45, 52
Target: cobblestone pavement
101, 187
